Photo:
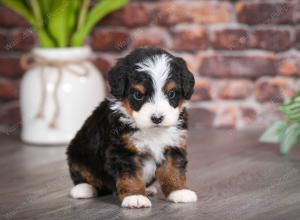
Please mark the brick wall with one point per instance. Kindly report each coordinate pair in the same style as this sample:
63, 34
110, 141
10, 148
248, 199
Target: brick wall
245, 54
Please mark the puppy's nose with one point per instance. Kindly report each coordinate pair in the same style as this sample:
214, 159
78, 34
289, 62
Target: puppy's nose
157, 119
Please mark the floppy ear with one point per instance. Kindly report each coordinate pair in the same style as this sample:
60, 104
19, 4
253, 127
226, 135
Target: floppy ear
117, 78
187, 79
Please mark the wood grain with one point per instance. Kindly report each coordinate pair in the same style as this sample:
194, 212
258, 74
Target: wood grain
234, 176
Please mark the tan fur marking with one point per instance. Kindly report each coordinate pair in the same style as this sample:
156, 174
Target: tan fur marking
180, 103
128, 143
170, 177
126, 105
169, 86
87, 175
130, 185
140, 88
183, 142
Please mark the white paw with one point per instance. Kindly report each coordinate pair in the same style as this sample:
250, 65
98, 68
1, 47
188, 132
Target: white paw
182, 195
151, 190
136, 201
83, 191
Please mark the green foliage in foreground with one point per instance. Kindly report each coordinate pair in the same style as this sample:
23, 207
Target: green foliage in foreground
63, 23
285, 132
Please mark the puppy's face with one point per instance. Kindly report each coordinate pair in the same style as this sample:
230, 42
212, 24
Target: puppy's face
152, 86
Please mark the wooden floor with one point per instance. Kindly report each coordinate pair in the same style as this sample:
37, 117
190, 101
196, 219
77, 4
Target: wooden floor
234, 176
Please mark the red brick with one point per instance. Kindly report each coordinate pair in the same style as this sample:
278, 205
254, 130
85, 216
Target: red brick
109, 40
297, 38
103, 65
264, 13
248, 115
211, 12
9, 90
190, 39
289, 65
251, 66
10, 116
267, 114
170, 13
10, 19
10, 66
272, 39
202, 90
273, 90
232, 39
148, 37
201, 117
132, 15
226, 118
237, 89
297, 12
3, 40
21, 40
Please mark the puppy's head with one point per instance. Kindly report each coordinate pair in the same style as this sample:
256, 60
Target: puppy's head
152, 87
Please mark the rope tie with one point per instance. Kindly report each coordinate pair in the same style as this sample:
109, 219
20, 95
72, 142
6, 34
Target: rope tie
30, 60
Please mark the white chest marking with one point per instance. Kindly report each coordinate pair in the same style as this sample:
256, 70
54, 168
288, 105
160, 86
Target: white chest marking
149, 167
155, 140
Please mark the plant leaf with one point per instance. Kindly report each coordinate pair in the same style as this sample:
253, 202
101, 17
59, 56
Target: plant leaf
45, 6
45, 40
289, 138
291, 109
274, 133
101, 9
57, 24
21, 9
83, 12
72, 16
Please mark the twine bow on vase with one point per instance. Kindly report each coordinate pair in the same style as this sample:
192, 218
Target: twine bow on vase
30, 60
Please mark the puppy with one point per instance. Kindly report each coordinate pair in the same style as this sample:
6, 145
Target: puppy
139, 136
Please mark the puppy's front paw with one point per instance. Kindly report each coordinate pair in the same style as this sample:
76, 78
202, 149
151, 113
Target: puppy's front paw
136, 201
183, 196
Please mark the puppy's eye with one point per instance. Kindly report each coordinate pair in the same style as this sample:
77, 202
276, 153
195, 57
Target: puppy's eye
171, 94
138, 96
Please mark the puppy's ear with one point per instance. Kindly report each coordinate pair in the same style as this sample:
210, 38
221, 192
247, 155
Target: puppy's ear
117, 78
187, 79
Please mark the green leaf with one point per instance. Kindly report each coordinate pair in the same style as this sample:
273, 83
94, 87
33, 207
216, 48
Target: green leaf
21, 8
45, 40
72, 16
58, 25
83, 12
45, 6
101, 9
274, 133
289, 138
291, 109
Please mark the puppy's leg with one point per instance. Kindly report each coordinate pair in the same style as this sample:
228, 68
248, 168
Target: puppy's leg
172, 178
131, 190
86, 184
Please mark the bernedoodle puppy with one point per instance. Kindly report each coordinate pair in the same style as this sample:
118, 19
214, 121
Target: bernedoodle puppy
138, 136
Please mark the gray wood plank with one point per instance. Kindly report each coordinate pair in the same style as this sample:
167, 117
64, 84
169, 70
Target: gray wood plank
234, 175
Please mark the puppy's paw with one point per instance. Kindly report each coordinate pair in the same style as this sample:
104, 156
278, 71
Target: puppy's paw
136, 201
182, 196
83, 191
151, 190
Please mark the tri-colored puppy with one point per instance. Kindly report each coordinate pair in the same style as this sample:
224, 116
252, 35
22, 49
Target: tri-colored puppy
139, 136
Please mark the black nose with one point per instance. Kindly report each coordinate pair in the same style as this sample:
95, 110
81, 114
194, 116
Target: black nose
157, 119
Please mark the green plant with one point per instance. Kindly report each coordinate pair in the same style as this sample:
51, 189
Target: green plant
285, 132
63, 23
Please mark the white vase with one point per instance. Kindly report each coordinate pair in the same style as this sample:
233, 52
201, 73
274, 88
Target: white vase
80, 90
